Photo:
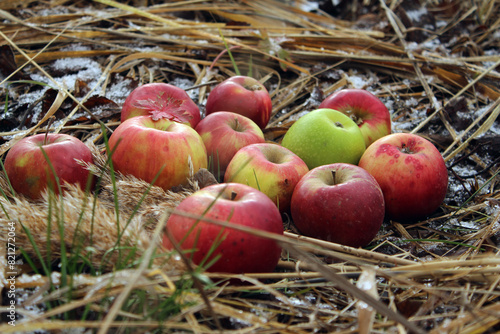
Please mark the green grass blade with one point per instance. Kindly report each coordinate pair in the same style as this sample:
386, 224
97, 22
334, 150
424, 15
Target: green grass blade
228, 49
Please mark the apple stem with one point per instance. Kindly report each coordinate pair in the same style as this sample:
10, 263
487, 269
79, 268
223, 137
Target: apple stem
233, 195
49, 123
333, 176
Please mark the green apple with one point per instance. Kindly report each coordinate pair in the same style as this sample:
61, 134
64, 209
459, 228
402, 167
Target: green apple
325, 136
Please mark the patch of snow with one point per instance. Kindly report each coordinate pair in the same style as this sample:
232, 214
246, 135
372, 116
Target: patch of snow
184, 83
308, 6
357, 81
79, 68
119, 91
412, 46
411, 102
55, 277
436, 103
298, 115
414, 117
416, 14
76, 47
299, 302
24, 278
432, 44
389, 104
56, 10
30, 98
441, 23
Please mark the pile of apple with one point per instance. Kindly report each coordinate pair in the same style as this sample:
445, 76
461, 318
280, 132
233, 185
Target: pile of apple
338, 170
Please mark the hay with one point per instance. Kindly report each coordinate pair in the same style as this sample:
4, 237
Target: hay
434, 64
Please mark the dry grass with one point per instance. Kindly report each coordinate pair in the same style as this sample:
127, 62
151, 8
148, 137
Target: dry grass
438, 75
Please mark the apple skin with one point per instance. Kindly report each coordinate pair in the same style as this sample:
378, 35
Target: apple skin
270, 168
29, 171
365, 109
240, 252
223, 134
325, 136
141, 147
242, 95
161, 100
340, 202
410, 171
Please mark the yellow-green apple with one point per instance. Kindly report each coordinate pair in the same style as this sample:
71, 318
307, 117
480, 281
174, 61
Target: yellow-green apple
325, 136
146, 149
161, 100
31, 172
270, 168
242, 95
223, 134
365, 109
237, 251
411, 172
340, 202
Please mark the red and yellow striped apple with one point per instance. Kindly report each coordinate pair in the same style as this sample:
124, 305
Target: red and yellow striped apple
146, 149
29, 169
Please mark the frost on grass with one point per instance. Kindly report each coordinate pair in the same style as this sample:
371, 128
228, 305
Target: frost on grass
69, 70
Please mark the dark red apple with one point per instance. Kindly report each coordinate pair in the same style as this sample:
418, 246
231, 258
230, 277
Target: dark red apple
242, 95
223, 134
340, 202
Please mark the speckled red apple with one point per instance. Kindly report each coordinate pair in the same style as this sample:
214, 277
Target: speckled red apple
411, 172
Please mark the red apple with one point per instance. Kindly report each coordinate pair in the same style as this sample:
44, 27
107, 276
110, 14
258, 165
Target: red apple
223, 134
240, 252
411, 173
365, 109
30, 173
340, 202
242, 95
161, 100
146, 148
270, 168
